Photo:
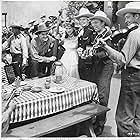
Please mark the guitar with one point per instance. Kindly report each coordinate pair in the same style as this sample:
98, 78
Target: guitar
92, 50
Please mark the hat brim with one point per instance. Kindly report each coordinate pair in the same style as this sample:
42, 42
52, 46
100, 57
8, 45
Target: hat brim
31, 22
106, 20
123, 11
52, 17
26, 28
84, 15
18, 27
39, 31
43, 17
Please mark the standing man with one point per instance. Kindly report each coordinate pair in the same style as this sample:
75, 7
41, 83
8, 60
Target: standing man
42, 52
43, 18
18, 49
128, 109
102, 64
84, 40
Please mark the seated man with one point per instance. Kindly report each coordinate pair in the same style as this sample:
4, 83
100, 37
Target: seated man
42, 52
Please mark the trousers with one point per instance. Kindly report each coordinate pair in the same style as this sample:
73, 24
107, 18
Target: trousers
39, 68
128, 108
103, 72
17, 64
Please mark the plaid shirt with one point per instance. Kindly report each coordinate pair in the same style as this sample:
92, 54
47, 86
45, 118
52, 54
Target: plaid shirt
39, 49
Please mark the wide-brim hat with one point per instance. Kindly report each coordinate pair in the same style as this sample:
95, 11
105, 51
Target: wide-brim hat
42, 28
101, 16
26, 28
53, 18
17, 26
132, 7
31, 21
43, 16
84, 12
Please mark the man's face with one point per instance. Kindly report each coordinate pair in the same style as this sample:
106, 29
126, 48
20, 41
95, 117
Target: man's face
43, 36
97, 24
129, 18
84, 21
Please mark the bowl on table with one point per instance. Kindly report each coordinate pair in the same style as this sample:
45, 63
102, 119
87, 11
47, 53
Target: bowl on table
36, 89
27, 88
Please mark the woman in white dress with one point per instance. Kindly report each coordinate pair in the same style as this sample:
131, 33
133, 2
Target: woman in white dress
70, 56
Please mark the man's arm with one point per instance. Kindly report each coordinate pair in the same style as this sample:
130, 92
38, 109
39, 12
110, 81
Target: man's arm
114, 55
24, 49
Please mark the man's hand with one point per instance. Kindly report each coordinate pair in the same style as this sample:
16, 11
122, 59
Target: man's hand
46, 59
80, 51
102, 43
52, 58
24, 63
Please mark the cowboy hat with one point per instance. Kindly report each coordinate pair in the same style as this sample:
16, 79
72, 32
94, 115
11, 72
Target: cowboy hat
31, 21
53, 18
17, 26
42, 28
101, 16
131, 7
26, 27
43, 16
36, 23
84, 12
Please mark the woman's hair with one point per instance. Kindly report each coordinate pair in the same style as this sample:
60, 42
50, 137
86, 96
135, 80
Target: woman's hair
71, 24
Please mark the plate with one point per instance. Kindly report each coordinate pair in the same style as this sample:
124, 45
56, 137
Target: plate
22, 83
27, 88
36, 89
56, 89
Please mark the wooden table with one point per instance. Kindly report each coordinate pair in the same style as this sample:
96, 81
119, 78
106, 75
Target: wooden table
67, 105
33, 105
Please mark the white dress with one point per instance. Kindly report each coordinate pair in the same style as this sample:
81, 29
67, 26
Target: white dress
70, 57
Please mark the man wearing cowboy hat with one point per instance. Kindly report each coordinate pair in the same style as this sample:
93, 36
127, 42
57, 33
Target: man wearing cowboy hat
128, 109
18, 49
43, 18
31, 23
42, 52
103, 65
84, 40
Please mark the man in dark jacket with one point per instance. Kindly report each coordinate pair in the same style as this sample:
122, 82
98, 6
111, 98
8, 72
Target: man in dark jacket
103, 65
84, 41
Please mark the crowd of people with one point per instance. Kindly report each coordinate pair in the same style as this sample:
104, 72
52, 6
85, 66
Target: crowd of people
88, 54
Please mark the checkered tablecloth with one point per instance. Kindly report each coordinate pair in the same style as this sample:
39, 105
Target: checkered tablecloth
32, 105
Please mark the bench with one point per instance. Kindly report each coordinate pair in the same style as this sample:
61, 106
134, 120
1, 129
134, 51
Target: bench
60, 121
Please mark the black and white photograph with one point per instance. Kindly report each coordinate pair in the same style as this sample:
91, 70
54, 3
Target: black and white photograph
70, 70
